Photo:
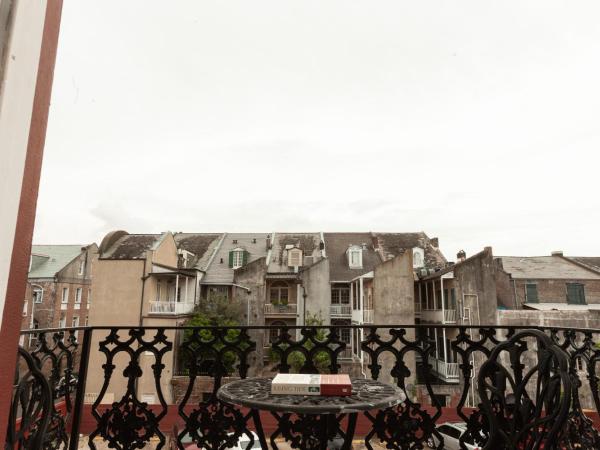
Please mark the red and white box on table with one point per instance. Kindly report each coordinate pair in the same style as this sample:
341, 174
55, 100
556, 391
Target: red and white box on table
303, 384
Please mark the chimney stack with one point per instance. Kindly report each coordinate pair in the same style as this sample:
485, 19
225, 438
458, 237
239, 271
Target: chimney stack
557, 253
435, 242
461, 256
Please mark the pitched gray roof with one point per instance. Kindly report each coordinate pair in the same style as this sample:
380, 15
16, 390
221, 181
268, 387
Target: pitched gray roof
396, 243
200, 244
592, 262
132, 246
47, 260
336, 245
545, 267
219, 272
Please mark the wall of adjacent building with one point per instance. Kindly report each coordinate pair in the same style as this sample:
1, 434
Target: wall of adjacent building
555, 291
117, 287
393, 303
252, 276
315, 280
476, 282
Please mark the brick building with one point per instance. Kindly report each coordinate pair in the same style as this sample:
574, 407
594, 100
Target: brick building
59, 286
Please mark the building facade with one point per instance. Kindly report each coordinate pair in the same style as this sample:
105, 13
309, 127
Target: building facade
59, 287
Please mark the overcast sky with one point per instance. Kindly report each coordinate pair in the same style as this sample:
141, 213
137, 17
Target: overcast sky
475, 121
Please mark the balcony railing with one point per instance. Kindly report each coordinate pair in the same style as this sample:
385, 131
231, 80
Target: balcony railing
367, 316
448, 371
114, 387
450, 316
340, 310
289, 308
171, 307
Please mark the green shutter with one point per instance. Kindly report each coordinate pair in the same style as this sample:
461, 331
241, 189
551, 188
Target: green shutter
575, 294
231, 259
245, 256
531, 294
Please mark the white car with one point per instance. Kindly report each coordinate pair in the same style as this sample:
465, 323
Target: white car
242, 443
451, 432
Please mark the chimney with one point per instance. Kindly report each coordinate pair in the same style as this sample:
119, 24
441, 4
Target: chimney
557, 253
435, 242
268, 242
461, 256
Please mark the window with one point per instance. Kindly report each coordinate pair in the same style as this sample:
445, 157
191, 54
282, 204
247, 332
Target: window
279, 293
294, 258
275, 332
575, 294
343, 332
418, 255
354, 254
38, 295
78, 293
531, 293
238, 258
65, 295
82, 267
218, 292
62, 323
340, 294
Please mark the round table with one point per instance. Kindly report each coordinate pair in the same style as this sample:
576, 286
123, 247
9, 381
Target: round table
316, 414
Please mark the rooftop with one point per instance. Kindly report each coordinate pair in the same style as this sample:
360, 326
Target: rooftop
131, 246
545, 267
47, 260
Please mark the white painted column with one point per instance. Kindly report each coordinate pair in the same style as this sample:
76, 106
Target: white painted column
442, 294
176, 299
186, 289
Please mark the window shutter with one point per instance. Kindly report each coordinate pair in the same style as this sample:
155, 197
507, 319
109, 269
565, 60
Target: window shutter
532, 293
231, 259
245, 256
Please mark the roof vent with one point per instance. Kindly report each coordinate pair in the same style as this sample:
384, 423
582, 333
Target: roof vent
557, 253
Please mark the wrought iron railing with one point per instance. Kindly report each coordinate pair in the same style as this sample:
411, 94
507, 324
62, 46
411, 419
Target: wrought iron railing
340, 310
281, 308
519, 388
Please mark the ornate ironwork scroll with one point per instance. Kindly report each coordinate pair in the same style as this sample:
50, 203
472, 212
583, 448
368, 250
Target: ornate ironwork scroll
526, 406
216, 353
409, 425
131, 423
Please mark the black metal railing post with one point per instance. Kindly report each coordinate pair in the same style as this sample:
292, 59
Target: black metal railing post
80, 393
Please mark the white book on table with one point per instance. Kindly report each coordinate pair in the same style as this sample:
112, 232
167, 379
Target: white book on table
296, 384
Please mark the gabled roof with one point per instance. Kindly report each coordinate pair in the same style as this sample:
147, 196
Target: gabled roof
307, 242
132, 246
200, 244
545, 267
337, 244
219, 272
48, 260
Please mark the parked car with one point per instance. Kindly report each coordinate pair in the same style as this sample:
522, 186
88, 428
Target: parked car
451, 432
242, 443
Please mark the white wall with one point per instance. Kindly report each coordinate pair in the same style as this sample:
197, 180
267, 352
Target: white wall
17, 91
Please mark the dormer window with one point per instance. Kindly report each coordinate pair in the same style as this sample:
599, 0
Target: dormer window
418, 257
238, 258
355, 257
294, 257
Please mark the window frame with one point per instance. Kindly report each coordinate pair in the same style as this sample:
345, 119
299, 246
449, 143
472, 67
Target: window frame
238, 257
573, 285
277, 288
78, 295
34, 297
65, 296
355, 250
531, 285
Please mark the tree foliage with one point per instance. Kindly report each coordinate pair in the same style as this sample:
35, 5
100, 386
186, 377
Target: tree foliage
216, 312
296, 360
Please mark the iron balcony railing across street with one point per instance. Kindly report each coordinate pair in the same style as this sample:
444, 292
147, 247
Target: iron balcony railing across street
519, 388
